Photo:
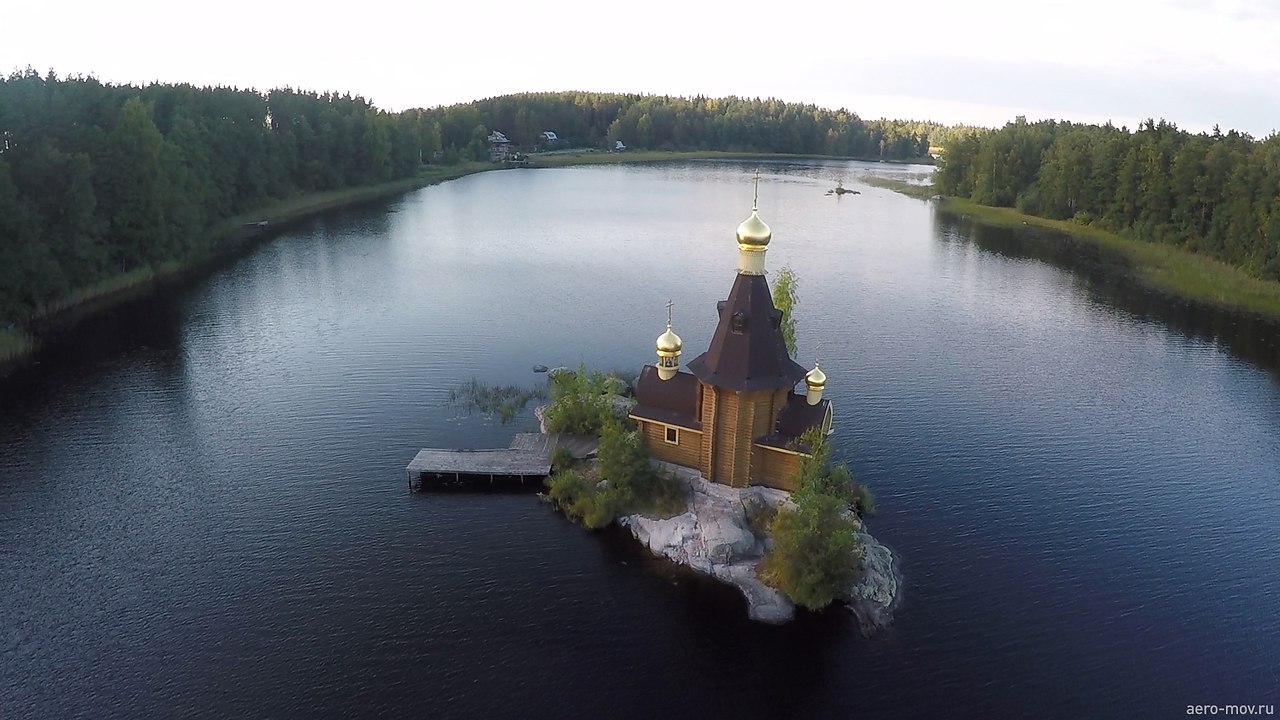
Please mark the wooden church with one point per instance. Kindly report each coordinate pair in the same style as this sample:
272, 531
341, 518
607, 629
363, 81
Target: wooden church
734, 414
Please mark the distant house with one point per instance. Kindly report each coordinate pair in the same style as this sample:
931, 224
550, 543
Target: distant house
499, 146
549, 140
618, 146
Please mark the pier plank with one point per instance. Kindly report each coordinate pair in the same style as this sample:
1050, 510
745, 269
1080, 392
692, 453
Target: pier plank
528, 456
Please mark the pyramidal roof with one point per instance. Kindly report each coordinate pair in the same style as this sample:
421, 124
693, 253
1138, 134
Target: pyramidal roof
747, 351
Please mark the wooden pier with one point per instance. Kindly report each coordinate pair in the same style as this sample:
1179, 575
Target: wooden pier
528, 459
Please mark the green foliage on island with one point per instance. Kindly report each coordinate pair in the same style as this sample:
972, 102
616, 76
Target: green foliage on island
1212, 193
819, 475
635, 483
582, 402
786, 293
815, 553
579, 496
562, 459
860, 498
760, 518
505, 401
622, 482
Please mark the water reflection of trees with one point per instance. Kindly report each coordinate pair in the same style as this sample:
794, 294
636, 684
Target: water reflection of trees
1109, 279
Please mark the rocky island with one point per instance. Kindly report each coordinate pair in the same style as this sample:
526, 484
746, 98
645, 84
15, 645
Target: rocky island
723, 468
713, 537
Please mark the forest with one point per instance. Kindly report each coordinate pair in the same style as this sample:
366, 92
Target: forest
99, 180
660, 122
1212, 193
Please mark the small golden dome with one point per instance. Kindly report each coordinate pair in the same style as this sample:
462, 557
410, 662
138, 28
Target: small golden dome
816, 379
753, 232
669, 342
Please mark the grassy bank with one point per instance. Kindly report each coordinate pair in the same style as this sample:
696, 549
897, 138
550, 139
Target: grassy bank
1163, 268
924, 192
303, 206
107, 287
14, 344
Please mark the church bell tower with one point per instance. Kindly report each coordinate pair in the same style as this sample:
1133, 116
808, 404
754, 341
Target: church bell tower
734, 414
746, 373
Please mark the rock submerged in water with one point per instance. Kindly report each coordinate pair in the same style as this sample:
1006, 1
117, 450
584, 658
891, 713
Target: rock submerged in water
712, 537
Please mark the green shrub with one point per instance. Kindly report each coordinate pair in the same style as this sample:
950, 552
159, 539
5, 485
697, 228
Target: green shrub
596, 509
759, 519
630, 484
815, 553
565, 487
815, 550
664, 497
786, 294
623, 461
561, 459
581, 402
636, 484
624, 380
863, 503
816, 475
581, 499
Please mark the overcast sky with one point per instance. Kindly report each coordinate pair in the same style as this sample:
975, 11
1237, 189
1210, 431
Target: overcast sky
1194, 62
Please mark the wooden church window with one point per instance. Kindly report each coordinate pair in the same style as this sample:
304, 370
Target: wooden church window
673, 436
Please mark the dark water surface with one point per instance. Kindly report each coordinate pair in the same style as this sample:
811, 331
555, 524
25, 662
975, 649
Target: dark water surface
203, 512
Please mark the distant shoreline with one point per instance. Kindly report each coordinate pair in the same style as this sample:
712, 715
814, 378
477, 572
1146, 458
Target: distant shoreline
236, 233
589, 157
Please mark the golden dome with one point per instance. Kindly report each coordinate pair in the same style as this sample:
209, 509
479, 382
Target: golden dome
816, 379
669, 342
753, 232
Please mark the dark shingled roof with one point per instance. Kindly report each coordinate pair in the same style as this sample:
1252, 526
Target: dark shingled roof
674, 401
747, 351
796, 416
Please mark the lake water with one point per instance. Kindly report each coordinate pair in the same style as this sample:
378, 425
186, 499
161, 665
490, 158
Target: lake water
203, 511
